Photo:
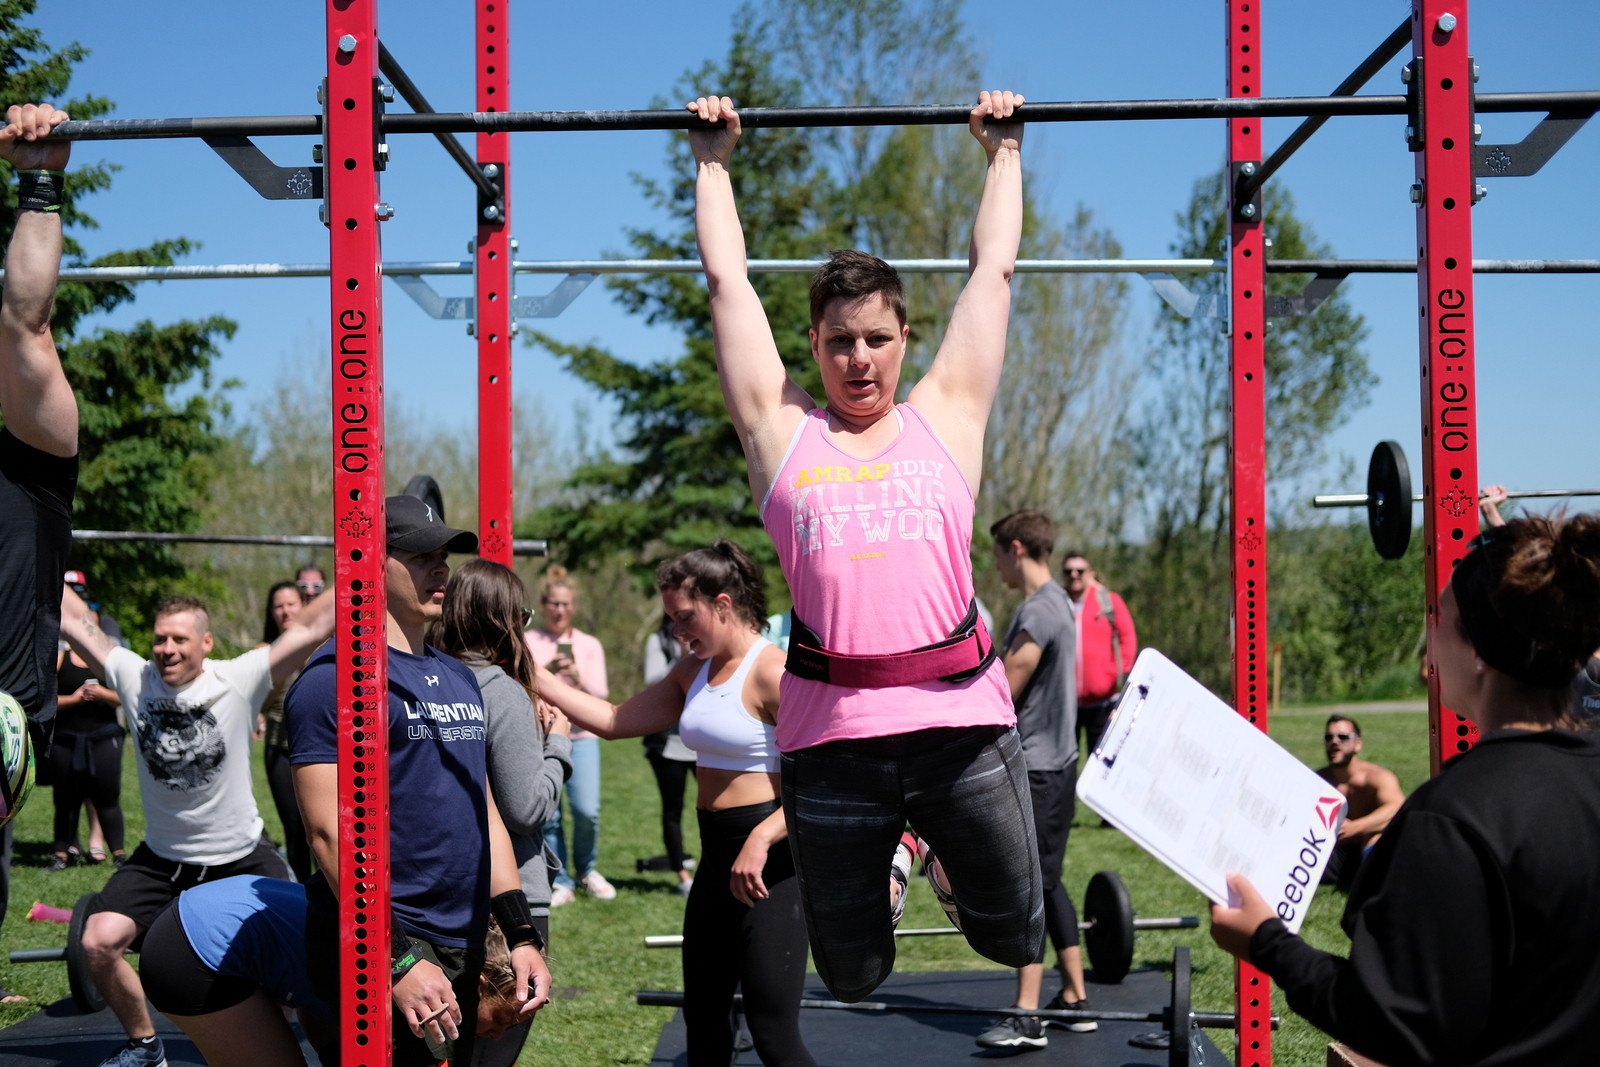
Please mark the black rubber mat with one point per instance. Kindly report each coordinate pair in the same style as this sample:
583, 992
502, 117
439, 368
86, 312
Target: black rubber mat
854, 1039
59, 1036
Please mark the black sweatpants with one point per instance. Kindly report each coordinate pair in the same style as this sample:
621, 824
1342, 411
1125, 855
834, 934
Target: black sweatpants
1054, 802
671, 776
87, 768
281, 780
726, 945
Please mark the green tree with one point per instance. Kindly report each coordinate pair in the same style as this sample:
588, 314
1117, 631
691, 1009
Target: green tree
142, 453
1177, 476
681, 479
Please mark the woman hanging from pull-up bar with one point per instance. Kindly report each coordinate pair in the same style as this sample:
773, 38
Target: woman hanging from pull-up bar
894, 707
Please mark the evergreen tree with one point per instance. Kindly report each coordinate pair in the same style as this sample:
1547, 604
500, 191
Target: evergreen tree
142, 457
681, 482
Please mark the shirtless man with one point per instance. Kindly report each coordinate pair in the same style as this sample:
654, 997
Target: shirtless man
1374, 795
870, 506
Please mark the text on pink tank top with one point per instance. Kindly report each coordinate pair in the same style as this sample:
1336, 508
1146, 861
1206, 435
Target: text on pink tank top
877, 553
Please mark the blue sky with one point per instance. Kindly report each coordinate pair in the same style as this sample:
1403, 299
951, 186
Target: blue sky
572, 196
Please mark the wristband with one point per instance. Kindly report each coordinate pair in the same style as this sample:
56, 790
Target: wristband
515, 917
40, 190
404, 962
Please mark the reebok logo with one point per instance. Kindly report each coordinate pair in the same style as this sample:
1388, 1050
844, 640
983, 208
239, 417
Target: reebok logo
1328, 810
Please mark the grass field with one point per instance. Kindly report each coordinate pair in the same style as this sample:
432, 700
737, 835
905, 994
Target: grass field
598, 957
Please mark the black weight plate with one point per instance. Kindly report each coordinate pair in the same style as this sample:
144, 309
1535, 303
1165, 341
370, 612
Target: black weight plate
1389, 500
1182, 1036
1108, 909
84, 994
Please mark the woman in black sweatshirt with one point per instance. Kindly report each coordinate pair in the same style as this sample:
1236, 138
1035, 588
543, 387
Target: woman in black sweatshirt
1474, 931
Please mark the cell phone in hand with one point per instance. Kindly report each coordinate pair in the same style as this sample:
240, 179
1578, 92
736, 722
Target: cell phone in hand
564, 648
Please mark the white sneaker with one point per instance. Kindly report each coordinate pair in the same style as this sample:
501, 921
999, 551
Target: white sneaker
598, 887
905, 853
562, 895
684, 887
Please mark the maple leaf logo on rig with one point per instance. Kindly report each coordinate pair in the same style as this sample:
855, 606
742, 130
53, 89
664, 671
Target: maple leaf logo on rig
1250, 541
1457, 502
355, 523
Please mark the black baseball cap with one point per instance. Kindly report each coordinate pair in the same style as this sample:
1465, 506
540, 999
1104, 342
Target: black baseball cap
415, 526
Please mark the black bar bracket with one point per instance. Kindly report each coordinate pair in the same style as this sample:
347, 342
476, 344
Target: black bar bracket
1246, 208
1416, 130
1307, 300
492, 209
266, 177
1528, 155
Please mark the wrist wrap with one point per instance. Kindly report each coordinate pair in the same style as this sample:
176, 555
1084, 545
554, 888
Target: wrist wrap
40, 190
515, 917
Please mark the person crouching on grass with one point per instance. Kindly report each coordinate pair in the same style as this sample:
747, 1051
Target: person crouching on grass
1472, 922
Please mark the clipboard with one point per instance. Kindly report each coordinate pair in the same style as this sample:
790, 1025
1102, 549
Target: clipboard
1198, 787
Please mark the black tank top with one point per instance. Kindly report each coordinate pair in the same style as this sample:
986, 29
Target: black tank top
82, 718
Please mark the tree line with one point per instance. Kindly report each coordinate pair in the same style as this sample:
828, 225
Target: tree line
1122, 439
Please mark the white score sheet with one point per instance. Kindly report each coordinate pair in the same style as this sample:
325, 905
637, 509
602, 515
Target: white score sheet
1205, 792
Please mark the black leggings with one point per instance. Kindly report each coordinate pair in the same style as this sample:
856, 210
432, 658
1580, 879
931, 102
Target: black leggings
671, 775
761, 949
1054, 802
96, 780
281, 780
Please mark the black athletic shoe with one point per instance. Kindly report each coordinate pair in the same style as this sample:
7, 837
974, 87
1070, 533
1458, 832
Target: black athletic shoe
118, 859
58, 862
1086, 1026
1014, 1031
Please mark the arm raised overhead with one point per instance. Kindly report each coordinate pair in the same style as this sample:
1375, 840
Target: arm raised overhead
766, 406
959, 389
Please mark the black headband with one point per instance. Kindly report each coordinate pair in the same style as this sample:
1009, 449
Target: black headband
1496, 642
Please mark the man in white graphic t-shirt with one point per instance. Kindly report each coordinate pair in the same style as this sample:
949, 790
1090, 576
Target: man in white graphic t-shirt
191, 720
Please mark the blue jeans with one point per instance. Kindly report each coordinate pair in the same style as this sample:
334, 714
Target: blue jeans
965, 792
583, 796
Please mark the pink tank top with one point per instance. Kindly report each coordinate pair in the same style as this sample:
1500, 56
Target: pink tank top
877, 554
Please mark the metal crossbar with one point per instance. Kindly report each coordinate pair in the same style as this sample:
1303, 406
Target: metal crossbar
803, 117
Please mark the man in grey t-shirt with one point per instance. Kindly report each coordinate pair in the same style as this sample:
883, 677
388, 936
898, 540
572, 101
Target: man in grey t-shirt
1040, 649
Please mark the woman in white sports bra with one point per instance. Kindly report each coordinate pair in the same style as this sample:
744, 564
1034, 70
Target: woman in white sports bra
723, 697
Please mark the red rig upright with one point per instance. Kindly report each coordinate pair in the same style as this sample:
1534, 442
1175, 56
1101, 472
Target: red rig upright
495, 318
1247, 447
1439, 83
352, 106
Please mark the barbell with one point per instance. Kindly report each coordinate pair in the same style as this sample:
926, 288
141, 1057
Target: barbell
1388, 499
1180, 1008
84, 994
1108, 928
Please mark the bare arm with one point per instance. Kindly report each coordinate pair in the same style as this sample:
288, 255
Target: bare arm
1021, 660
959, 389
745, 881
310, 628
35, 399
80, 631
764, 404
316, 789
657, 708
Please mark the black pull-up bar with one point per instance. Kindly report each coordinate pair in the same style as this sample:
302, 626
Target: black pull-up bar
408, 90
802, 117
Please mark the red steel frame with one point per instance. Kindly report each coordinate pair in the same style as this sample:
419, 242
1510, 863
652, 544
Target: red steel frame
1247, 447
495, 317
351, 102
1442, 69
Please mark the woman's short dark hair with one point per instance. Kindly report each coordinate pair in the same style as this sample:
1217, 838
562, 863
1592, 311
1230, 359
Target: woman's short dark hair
707, 573
482, 617
270, 630
1033, 528
850, 275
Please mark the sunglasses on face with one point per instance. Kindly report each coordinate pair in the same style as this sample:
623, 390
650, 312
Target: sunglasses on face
1337, 737
1073, 572
309, 588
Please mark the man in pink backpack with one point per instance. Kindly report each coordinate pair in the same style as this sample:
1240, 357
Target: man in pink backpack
1107, 644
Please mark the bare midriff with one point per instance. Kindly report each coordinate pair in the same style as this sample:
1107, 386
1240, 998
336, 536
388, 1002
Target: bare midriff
721, 789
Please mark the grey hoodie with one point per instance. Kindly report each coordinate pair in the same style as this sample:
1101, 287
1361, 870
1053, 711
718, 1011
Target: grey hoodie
527, 769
